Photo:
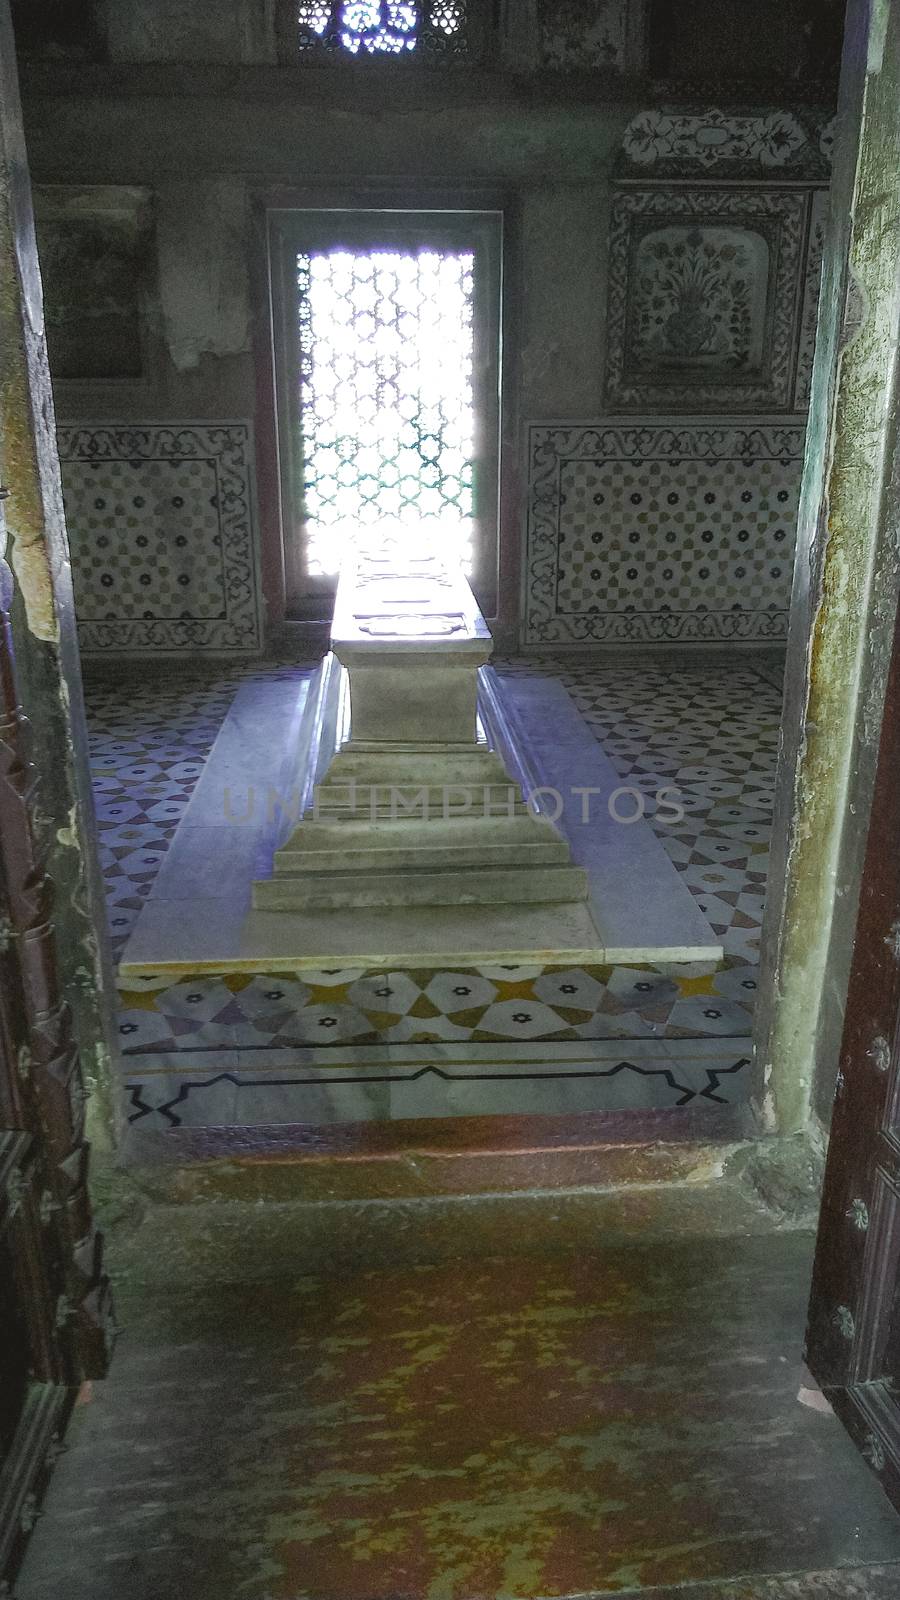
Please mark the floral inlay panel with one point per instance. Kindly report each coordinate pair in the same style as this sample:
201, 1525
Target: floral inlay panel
753, 142
700, 299
703, 293
582, 35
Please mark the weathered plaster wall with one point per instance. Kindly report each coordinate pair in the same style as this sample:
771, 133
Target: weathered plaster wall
210, 158
846, 589
564, 290
217, 132
167, 30
202, 153
204, 289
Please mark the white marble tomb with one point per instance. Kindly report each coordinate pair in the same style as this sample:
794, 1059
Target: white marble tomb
406, 702
413, 808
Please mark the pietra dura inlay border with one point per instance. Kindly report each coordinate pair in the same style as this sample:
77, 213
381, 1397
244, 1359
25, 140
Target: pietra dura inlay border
402, 1088
162, 536
678, 531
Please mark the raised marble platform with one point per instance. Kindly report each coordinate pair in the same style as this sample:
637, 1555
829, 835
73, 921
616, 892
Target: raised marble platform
200, 917
238, 1015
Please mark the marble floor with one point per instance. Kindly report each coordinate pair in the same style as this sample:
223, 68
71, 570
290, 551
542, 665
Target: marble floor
706, 732
150, 731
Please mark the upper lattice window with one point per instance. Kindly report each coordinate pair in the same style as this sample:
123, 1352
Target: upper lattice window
383, 28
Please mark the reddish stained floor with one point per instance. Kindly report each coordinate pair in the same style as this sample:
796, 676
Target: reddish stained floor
566, 1417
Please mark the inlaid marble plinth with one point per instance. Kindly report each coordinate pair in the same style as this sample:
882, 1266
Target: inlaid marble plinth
234, 1014
413, 808
199, 916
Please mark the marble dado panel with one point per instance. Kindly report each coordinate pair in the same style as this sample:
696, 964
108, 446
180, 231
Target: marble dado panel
705, 286
162, 536
663, 532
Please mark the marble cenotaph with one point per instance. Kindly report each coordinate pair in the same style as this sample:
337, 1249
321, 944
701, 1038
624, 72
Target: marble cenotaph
404, 802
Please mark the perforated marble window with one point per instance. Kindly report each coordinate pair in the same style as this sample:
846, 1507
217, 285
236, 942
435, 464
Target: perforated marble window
388, 353
386, 400
434, 29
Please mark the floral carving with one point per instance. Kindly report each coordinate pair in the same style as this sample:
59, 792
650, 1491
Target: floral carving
699, 298
582, 34
702, 304
827, 138
768, 139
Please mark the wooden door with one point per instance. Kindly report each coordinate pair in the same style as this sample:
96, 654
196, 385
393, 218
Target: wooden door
853, 1335
55, 1309
55, 1315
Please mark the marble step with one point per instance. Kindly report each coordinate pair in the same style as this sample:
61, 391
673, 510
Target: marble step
385, 858
319, 843
403, 767
526, 884
410, 803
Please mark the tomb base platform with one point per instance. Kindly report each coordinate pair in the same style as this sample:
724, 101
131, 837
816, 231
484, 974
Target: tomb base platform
406, 803
234, 1014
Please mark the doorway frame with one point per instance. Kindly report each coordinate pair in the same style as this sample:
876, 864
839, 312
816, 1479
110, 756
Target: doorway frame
844, 600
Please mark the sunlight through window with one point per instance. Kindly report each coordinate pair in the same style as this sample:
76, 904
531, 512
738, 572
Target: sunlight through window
386, 402
381, 27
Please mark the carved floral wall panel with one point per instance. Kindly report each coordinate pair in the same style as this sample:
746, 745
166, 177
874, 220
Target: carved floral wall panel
767, 142
700, 298
583, 35
704, 286
665, 532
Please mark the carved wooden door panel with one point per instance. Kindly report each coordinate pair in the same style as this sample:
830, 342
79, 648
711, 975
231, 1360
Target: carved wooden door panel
55, 1314
55, 1319
853, 1335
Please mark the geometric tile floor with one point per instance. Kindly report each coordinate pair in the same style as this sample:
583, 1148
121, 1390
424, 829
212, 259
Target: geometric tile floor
710, 734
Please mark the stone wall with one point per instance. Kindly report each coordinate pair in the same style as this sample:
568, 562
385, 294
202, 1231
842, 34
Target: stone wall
173, 162
670, 516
